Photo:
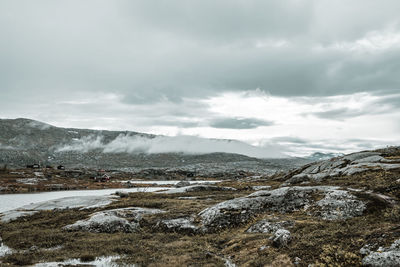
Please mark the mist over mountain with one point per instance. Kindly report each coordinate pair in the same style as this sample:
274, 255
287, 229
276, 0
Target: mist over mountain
24, 141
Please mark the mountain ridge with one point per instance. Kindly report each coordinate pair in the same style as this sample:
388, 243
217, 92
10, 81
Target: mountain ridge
25, 141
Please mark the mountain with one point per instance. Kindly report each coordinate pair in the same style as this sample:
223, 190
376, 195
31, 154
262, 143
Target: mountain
25, 141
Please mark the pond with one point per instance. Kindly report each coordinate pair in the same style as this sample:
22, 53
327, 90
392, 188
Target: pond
14, 201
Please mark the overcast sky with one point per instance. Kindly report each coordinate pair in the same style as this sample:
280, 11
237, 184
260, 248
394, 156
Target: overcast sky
306, 75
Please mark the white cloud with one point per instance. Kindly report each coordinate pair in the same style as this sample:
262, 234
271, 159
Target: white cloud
165, 144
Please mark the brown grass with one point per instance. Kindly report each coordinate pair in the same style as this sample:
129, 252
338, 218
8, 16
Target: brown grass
323, 243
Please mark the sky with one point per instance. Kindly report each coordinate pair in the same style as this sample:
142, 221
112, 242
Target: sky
300, 76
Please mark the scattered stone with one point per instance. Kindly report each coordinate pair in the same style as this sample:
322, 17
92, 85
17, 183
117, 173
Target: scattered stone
268, 227
111, 221
281, 238
384, 257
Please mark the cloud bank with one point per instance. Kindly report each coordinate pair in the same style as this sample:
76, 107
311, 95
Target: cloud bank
165, 144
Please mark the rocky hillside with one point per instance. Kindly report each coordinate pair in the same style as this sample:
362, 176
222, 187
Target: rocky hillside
343, 211
24, 141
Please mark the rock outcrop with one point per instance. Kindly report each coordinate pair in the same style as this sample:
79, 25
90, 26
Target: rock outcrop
343, 166
110, 221
336, 204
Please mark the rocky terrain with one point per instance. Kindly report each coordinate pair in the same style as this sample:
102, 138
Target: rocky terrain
25, 142
342, 211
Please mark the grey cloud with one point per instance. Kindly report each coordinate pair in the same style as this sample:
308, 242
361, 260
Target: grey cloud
393, 101
224, 21
339, 114
239, 123
147, 50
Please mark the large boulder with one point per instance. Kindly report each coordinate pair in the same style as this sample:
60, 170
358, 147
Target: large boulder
110, 221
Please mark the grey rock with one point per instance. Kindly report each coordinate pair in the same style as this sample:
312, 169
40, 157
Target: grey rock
367, 249
286, 199
182, 184
360, 155
342, 166
111, 221
281, 238
4, 250
179, 225
389, 257
340, 204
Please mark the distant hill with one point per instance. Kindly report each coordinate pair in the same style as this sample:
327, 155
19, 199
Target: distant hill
25, 141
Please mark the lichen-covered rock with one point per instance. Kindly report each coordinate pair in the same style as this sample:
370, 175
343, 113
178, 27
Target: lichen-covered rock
340, 204
389, 257
336, 204
231, 212
111, 221
281, 238
268, 227
179, 225
196, 188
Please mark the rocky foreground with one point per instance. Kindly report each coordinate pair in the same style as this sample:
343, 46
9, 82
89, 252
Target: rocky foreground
339, 212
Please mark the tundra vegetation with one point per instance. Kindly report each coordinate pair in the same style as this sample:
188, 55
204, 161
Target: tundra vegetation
339, 212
